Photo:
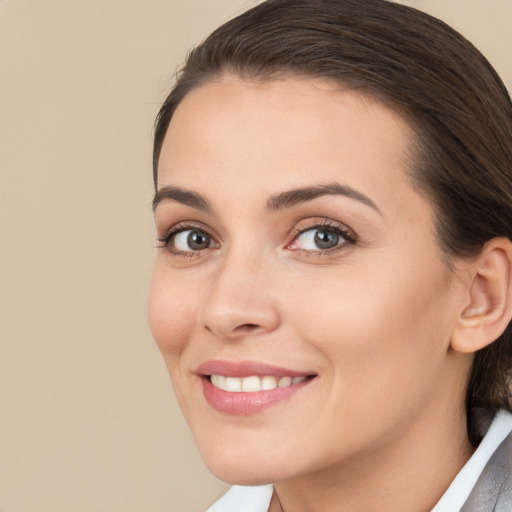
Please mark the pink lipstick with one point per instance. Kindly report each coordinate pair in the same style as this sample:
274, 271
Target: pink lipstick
244, 388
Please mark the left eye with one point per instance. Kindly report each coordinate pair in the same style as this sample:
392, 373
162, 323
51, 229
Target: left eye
317, 239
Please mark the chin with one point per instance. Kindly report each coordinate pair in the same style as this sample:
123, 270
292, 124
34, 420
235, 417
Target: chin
243, 474
240, 468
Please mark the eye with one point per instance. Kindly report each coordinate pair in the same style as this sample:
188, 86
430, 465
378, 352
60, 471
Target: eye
320, 238
314, 239
192, 240
182, 240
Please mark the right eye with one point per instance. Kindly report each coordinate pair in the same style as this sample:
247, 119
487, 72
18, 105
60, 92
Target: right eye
187, 241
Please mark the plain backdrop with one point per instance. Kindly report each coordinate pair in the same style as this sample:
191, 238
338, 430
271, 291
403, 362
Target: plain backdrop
88, 421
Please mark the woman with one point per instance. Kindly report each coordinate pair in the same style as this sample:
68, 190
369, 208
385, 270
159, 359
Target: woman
332, 288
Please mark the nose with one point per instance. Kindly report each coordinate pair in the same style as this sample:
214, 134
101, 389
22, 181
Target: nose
241, 302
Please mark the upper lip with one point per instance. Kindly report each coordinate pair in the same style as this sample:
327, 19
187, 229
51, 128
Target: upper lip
242, 369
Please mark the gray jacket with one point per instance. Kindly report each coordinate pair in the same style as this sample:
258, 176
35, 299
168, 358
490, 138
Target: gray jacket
493, 490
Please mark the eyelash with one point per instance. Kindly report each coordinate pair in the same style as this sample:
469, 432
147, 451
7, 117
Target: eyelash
166, 238
349, 238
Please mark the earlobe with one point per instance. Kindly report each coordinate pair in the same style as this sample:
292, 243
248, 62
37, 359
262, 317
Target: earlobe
488, 310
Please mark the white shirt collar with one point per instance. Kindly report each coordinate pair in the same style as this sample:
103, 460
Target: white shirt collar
461, 487
252, 499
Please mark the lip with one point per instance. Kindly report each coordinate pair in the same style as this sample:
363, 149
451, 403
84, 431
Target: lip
243, 369
247, 403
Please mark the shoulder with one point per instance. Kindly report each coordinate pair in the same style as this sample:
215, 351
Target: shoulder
248, 499
503, 466
493, 490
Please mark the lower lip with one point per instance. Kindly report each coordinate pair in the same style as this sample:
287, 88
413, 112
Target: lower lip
244, 404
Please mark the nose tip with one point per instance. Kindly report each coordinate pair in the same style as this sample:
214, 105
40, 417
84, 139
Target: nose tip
239, 305
232, 324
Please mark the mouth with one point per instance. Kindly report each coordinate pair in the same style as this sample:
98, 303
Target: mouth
246, 388
254, 383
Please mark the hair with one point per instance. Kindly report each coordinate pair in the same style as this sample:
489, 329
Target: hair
457, 105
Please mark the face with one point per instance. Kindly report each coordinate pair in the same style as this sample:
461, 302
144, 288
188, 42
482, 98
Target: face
299, 298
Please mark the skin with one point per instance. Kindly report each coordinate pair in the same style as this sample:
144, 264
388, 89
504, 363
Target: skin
382, 427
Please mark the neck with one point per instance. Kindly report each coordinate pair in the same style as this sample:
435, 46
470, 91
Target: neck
409, 474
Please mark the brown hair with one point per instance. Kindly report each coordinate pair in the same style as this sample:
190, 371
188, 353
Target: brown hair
452, 97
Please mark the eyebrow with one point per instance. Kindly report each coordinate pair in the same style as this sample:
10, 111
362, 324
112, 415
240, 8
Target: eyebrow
301, 195
180, 195
276, 202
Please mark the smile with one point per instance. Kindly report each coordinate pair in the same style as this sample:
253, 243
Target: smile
247, 387
253, 383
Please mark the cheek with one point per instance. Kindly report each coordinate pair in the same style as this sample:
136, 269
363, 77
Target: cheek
382, 339
171, 313
369, 323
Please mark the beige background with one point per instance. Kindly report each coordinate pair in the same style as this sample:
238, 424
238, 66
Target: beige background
87, 417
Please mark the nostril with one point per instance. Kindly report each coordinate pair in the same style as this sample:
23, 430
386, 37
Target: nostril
240, 329
247, 327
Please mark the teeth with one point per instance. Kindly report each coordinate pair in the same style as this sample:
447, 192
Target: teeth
268, 382
219, 381
254, 383
233, 384
251, 384
284, 382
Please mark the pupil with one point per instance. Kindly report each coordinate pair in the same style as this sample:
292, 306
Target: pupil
198, 240
326, 239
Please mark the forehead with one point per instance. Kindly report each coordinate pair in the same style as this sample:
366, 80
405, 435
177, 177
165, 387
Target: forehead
283, 134
283, 101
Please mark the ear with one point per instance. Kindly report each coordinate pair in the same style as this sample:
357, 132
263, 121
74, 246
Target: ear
488, 310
